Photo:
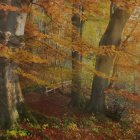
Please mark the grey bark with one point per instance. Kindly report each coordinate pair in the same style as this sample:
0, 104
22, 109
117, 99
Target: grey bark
104, 64
11, 29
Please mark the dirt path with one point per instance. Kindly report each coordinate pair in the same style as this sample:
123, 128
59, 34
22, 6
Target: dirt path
52, 105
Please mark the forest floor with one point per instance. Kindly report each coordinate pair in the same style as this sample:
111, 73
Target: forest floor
57, 121
55, 105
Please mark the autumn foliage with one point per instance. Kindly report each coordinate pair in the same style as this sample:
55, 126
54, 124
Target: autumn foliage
44, 60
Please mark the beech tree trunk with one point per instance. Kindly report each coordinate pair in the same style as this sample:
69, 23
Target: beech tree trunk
104, 64
76, 94
11, 31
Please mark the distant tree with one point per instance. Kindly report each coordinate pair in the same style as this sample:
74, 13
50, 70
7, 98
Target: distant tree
76, 92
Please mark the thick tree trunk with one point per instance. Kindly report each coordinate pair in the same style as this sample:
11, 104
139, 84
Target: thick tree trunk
104, 64
76, 93
10, 93
11, 29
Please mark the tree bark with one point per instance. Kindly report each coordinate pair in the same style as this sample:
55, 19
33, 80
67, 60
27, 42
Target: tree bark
104, 63
12, 25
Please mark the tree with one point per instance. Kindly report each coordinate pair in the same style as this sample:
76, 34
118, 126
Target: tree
76, 93
12, 23
104, 63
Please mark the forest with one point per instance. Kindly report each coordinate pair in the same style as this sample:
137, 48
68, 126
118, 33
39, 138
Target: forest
69, 69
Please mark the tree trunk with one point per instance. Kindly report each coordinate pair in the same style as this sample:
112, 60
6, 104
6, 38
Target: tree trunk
10, 93
76, 94
12, 28
104, 64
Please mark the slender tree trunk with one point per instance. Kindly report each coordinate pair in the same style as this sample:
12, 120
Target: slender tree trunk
12, 29
76, 93
104, 64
